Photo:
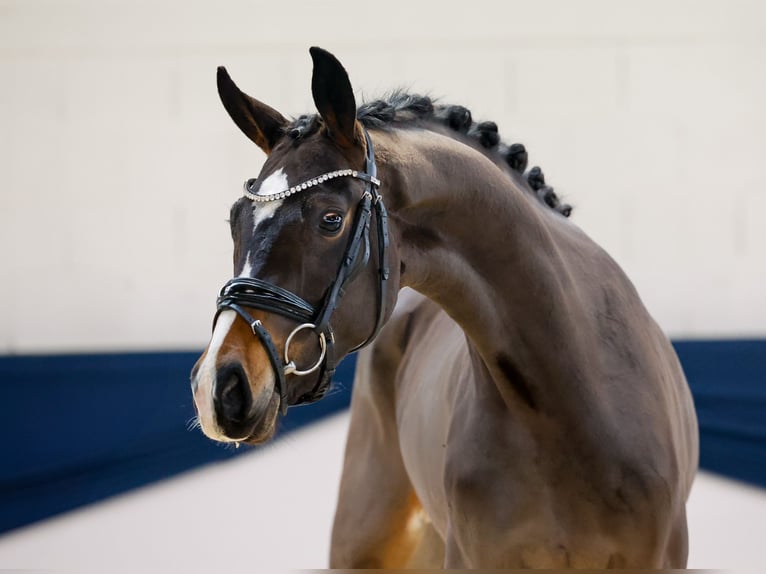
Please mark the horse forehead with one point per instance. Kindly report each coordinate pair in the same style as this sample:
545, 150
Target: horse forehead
274, 183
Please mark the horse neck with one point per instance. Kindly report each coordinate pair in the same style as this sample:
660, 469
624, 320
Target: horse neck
482, 248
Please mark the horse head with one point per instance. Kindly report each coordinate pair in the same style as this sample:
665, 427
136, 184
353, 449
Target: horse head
311, 261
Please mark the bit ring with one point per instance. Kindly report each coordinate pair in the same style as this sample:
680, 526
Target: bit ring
290, 367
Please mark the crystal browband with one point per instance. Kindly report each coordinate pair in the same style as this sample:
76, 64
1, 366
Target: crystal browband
307, 184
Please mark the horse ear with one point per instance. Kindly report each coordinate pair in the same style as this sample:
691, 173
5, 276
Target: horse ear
259, 122
334, 98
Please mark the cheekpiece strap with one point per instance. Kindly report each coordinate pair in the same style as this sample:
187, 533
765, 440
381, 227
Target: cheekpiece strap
268, 344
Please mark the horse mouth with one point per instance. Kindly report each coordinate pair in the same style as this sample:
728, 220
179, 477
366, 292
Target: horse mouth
231, 410
255, 425
265, 429
265, 424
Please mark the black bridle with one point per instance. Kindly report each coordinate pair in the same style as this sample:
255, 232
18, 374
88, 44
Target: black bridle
241, 293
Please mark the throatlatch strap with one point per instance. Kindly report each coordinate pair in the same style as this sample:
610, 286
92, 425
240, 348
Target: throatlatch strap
381, 219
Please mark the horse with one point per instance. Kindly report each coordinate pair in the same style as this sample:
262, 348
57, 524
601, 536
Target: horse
518, 408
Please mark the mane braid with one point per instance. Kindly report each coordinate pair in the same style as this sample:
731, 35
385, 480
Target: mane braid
400, 107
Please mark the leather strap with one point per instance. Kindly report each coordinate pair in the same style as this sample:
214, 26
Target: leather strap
268, 344
265, 296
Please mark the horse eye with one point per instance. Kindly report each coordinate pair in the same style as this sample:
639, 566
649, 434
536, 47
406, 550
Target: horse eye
331, 221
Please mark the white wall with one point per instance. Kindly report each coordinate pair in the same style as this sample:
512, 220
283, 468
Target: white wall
118, 164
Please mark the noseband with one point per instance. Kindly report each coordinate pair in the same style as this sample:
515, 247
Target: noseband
242, 293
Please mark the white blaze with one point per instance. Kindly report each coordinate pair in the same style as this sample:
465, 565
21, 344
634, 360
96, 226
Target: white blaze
206, 377
247, 268
275, 183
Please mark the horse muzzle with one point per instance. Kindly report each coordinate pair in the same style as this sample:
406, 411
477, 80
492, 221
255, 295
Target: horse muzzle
229, 410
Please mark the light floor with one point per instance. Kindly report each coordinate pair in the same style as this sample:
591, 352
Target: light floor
272, 511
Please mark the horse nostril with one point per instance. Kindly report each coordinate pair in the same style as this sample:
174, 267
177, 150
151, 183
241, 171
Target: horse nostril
233, 393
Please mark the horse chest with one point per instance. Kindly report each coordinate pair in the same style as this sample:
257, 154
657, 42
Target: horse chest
435, 372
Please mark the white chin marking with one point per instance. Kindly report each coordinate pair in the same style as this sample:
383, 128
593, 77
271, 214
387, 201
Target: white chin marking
275, 183
206, 377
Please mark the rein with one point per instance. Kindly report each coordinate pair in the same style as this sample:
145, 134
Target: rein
242, 293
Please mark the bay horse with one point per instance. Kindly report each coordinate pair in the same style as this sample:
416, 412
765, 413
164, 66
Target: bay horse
522, 410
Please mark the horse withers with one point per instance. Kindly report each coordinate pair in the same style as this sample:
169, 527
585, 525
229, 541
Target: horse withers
524, 411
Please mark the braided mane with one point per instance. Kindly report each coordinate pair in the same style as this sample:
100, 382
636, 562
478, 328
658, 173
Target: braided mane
401, 108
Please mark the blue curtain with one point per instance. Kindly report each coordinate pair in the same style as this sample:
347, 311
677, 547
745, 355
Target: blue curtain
728, 381
79, 428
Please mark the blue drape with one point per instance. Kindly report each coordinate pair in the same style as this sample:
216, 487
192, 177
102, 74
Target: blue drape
728, 382
79, 428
